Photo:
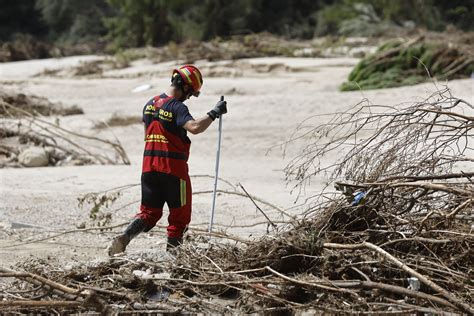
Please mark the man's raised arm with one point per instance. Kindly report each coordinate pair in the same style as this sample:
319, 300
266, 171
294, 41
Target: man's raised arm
201, 124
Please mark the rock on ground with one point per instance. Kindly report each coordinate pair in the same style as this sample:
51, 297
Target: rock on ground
34, 157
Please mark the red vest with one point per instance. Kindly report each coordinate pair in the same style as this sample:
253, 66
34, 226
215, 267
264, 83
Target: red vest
165, 150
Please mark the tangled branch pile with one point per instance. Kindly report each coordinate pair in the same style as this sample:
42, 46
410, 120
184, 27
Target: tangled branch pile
29, 139
399, 63
396, 238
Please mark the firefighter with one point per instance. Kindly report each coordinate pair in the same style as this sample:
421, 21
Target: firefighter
165, 177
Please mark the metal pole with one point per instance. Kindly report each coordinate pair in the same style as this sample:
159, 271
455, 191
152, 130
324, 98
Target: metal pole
211, 222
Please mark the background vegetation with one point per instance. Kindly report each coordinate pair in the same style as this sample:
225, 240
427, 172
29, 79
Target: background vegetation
118, 24
400, 63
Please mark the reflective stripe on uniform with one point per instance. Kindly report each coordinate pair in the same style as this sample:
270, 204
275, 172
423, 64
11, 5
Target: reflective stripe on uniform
182, 191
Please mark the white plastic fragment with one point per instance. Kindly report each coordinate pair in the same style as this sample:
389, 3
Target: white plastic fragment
141, 88
413, 284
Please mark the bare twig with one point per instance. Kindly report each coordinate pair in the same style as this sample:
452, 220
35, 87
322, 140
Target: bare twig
261, 211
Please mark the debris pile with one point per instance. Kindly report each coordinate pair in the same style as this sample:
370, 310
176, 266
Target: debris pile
396, 237
230, 49
25, 47
253, 46
28, 138
400, 63
14, 104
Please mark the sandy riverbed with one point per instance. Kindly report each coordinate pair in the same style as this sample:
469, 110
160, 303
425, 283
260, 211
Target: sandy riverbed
266, 103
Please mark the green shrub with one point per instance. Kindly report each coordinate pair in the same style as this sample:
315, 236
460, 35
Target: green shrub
403, 63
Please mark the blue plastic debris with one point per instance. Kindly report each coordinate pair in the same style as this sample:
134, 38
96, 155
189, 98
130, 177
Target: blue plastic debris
358, 196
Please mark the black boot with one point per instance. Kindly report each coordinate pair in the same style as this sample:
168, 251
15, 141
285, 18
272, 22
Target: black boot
134, 228
173, 243
120, 242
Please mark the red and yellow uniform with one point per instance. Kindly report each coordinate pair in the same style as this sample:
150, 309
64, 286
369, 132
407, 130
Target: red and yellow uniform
165, 177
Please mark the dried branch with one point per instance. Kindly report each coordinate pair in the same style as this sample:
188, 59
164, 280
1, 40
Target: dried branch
90, 297
261, 211
455, 301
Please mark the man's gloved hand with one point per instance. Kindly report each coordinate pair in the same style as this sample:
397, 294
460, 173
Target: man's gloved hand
218, 110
